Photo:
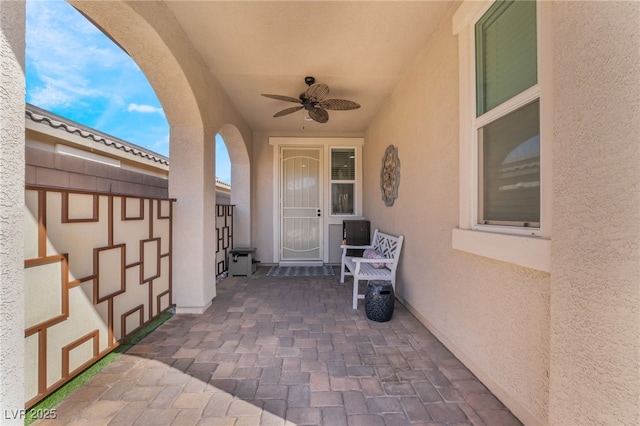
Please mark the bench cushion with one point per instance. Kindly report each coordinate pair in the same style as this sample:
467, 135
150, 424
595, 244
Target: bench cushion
373, 254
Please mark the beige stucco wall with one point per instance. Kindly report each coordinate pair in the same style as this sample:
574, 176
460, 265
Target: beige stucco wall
49, 168
12, 30
262, 196
493, 315
595, 286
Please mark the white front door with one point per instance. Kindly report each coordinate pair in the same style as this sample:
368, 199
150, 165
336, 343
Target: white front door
301, 205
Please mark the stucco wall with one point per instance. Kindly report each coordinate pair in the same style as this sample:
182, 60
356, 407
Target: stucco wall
595, 333
48, 168
262, 196
12, 28
494, 316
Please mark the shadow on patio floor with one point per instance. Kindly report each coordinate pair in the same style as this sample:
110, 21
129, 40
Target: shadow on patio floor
285, 350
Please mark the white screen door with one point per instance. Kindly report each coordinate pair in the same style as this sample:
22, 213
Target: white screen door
301, 201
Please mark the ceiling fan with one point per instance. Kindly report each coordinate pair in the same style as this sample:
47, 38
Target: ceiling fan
314, 101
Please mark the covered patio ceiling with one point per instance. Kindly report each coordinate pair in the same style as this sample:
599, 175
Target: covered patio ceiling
360, 49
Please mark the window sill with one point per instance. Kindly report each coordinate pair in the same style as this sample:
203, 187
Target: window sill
530, 252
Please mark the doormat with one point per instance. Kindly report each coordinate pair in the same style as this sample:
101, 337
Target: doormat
301, 271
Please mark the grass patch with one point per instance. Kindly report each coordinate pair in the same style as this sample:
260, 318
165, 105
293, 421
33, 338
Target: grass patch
58, 396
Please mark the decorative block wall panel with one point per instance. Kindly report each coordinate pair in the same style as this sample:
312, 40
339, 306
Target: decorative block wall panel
76, 354
224, 232
97, 268
79, 208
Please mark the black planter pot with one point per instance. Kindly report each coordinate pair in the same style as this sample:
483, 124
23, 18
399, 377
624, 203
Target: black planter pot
379, 301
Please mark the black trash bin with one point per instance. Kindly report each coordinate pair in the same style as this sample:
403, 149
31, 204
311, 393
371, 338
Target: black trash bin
379, 301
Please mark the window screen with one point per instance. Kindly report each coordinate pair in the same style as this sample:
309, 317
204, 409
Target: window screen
509, 157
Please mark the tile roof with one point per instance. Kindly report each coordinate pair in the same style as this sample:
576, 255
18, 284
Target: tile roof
40, 115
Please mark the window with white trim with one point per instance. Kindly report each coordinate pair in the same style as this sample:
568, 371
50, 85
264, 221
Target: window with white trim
507, 119
343, 181
506, 130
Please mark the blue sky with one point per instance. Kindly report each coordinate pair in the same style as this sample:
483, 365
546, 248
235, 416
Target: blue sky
75, 71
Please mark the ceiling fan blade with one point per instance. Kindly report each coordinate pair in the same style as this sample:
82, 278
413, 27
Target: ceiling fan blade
287, 111
338, 104
319, 115
283, 98
317, 92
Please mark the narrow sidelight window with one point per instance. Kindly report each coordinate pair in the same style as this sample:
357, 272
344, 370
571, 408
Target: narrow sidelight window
343, 181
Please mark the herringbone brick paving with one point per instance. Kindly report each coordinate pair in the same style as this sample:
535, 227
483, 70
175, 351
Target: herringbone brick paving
285, 351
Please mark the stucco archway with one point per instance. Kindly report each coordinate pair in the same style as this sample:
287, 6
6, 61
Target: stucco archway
128, 25
195, 105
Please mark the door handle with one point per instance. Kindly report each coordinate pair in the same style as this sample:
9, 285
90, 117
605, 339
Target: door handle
319, 213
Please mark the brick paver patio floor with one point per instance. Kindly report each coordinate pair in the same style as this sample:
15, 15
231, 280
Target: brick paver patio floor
285, 351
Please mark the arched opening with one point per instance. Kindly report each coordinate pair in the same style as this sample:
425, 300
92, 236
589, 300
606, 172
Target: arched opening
195, 107
223, 162
75, 71
105, 108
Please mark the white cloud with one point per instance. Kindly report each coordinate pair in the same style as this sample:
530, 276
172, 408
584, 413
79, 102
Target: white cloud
161, 146
66, 56
49, 97
60, 92
145, 109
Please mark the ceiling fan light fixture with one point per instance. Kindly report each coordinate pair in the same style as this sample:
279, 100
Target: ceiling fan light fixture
314, 101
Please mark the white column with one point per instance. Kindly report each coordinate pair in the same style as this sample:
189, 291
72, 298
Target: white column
241, 199
192, 184
12, 133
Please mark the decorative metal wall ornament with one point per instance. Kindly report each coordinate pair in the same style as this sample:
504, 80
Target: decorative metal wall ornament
390, 175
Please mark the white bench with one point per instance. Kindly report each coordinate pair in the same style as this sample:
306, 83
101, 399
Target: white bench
360, 268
